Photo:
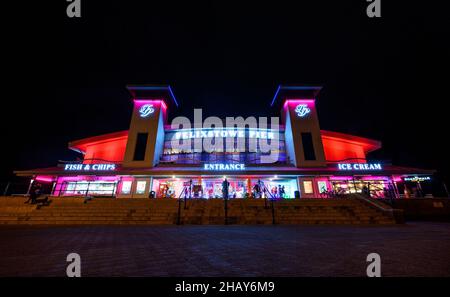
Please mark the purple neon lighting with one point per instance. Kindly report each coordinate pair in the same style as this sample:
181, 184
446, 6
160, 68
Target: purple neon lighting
140, 102
44, 179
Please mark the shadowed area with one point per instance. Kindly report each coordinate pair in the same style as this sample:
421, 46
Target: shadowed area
414, 249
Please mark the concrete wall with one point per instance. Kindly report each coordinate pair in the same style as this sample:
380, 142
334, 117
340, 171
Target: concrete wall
308, 123
153, 125
424, 208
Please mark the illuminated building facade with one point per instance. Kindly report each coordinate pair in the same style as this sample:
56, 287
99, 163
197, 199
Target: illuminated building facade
143, 161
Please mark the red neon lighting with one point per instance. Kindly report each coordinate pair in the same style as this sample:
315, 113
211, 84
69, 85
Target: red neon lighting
337, 146
340, 146
104, 148
44, 178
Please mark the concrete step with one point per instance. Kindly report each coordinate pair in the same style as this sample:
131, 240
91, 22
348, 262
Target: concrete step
73, 211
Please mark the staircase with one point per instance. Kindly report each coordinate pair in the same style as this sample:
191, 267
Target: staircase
302, 211
102, 211
110, 211
330, 211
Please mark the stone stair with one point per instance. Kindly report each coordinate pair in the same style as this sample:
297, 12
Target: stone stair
329, 211
301, 211
101, 211
110, 211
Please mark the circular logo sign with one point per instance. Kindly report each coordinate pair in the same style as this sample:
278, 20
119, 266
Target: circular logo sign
302, 110
146, 110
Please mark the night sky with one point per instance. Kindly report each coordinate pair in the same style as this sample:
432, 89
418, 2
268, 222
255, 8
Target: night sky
65, 79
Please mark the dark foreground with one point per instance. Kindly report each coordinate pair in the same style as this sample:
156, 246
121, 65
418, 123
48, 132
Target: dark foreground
414, 249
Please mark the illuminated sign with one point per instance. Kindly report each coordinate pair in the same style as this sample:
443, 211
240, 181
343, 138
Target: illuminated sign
146, 110
225, 133
302, 110
360, 166
417, 178
230, 167
90, 167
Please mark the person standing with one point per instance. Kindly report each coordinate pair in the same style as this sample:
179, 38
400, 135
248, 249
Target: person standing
225, 186
282, 192
32, 194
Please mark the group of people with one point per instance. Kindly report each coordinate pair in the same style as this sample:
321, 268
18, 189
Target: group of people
34, 193
225, 191
261, 191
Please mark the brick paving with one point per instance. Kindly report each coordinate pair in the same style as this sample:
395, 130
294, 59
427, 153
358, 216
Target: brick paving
414, 249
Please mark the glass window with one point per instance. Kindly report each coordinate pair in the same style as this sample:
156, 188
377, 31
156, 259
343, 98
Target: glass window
141, 146
91, 187
126, 187
308, 146
140, 187
322, 185
308, 186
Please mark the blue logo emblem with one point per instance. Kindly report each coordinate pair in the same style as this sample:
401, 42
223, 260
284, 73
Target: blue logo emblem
302, 110
146, 110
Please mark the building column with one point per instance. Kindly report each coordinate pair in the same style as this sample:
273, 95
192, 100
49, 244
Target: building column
249, 186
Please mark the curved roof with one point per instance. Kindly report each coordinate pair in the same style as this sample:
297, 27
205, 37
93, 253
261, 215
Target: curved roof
81, 144
367, 143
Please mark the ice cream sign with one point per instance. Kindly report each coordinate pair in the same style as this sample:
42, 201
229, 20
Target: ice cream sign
360, 166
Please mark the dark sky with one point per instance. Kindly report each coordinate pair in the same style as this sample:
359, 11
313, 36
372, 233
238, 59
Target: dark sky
383, 78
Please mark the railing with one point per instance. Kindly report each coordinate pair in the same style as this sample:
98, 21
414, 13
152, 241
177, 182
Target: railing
16, 188
185, 192
197, 158
272, 199
396, 214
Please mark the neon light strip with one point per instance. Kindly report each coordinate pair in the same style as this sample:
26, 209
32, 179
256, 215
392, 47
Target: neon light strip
224, 128
276, 94
143, 101
157, 88
298, 101
44, 179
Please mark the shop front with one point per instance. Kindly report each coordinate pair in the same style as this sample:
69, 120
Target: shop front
209, 187
239, 186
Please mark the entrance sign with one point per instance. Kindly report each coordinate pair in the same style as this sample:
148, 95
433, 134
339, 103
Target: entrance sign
90, 167
231, 167
360, 166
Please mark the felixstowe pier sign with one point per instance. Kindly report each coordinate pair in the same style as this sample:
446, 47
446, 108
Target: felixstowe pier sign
226, 133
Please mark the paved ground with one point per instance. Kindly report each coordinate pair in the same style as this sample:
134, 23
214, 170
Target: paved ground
414, 249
